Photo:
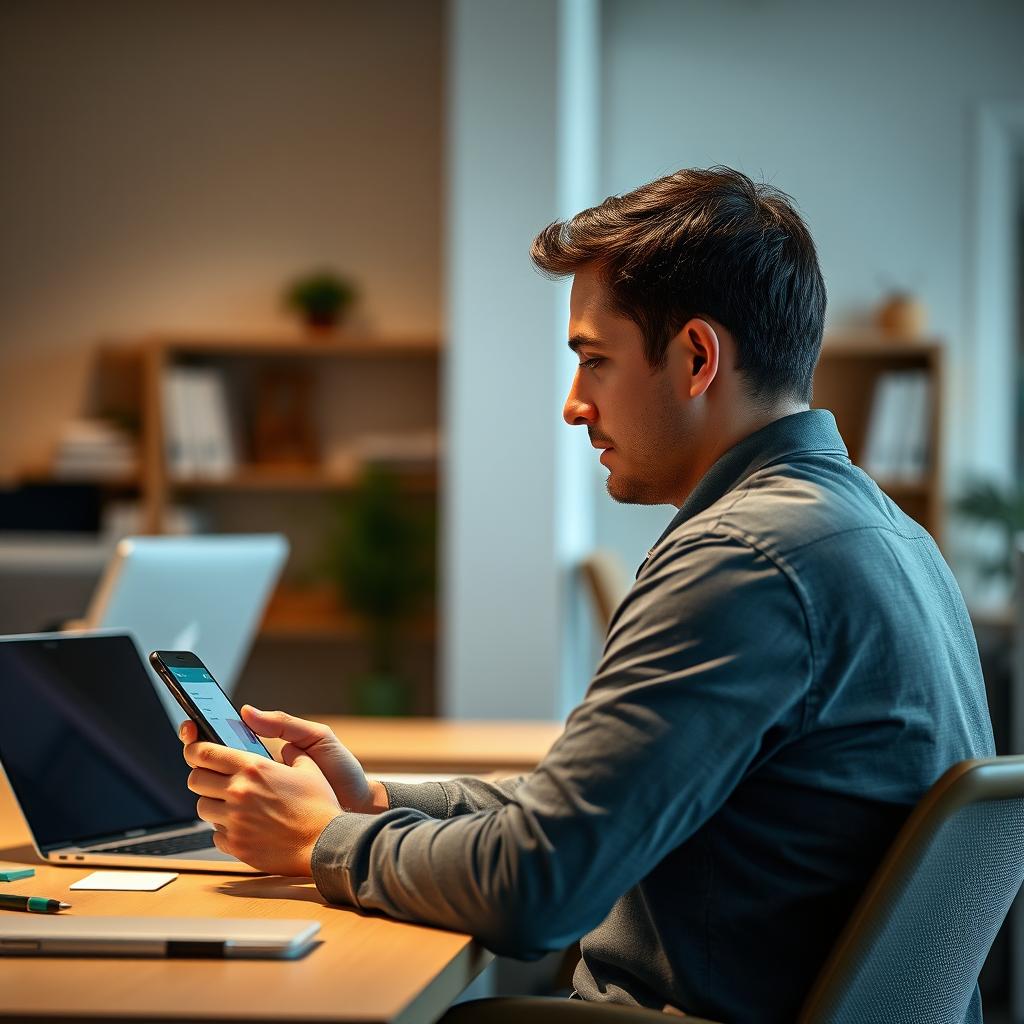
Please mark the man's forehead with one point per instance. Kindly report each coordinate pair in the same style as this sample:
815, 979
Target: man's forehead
592, 317
589, 290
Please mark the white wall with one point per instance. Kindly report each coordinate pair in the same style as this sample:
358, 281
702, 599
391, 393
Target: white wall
170, 165
865, 113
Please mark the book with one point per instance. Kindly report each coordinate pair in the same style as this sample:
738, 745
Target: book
915, 451
881, 442
197, 423
896, 445
95, 449
178, 439
214, 446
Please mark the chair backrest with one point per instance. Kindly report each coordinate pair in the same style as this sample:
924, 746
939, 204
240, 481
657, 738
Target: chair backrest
915, 945
607, 582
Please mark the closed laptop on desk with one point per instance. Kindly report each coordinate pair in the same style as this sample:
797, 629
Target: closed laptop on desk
93, 760
227, 937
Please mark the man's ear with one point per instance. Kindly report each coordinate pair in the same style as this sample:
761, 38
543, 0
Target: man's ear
701, 350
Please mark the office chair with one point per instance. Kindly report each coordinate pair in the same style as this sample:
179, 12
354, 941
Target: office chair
915, 944
607, 583
1016, 717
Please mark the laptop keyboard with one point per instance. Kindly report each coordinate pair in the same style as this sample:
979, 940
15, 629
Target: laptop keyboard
162, 847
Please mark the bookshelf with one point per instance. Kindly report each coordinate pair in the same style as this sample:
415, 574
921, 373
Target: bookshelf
387, 383
352, 386
847, 380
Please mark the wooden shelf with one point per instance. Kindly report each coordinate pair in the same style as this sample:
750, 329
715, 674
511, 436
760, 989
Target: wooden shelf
306, 414
302, 346
312, 479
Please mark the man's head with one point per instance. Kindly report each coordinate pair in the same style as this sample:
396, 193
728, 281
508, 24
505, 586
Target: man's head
697, 312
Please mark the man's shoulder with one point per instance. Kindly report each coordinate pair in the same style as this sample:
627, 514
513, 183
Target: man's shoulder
798, 505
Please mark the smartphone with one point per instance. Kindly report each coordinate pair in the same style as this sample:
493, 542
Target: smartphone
200, 697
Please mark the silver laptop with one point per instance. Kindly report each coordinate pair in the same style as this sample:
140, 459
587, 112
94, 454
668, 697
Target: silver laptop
203, 594
227, 937
94, 764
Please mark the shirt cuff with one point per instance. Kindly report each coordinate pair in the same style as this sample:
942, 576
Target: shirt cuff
331, 860
428, 797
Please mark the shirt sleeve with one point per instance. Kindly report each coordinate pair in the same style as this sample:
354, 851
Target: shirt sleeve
453, 796
705, 671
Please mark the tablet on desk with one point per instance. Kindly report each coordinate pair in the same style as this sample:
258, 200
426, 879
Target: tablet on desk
203, 937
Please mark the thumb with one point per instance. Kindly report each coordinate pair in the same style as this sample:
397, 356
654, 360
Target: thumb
339, 766
281, 725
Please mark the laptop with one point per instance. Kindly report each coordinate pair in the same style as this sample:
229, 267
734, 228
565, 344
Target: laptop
203, 594
95, 766
224, 937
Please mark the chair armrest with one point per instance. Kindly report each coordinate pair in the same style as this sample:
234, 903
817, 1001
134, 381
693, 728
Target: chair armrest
546, 1010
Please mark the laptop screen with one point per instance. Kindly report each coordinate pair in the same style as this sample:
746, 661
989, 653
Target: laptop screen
85, 742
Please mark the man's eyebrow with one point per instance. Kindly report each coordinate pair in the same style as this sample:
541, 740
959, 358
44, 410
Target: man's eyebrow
577, 341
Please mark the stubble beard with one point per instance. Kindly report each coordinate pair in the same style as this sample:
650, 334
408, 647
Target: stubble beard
640, 488
665, 439
631, 492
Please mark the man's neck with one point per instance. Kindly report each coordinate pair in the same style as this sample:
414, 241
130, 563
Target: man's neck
729, 434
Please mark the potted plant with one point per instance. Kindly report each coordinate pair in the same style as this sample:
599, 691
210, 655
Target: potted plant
989, 504
321, 298
381, 556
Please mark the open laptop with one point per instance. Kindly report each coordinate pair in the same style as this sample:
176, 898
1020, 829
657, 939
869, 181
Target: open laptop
203, 594
94, 764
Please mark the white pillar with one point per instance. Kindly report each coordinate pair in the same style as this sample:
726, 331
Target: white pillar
509, 469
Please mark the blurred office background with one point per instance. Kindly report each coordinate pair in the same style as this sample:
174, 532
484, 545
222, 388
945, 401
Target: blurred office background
169, 168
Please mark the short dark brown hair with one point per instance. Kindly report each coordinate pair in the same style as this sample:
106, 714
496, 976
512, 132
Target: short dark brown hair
706, 243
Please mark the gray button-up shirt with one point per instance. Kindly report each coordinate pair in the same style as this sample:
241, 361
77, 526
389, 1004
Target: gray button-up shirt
792, 669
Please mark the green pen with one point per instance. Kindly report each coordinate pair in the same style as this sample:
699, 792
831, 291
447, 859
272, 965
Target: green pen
35, 904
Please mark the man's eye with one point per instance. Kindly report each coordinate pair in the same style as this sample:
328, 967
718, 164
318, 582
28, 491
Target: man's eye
592, 364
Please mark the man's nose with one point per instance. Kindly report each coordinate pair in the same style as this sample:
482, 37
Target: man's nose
578, 411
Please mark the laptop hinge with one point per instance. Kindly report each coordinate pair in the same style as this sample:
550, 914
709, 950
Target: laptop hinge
132, 833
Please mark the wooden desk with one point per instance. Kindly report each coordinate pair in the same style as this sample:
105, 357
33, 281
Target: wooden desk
366, 969
433, 745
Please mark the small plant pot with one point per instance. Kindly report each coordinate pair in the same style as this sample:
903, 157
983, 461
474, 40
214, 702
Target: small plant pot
322, 323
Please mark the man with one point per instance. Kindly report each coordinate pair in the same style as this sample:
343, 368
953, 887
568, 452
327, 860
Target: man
793, 668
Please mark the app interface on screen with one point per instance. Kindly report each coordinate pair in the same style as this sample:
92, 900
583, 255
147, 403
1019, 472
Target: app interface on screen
217, 709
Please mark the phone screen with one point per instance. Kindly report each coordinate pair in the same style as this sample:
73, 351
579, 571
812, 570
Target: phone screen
222, 718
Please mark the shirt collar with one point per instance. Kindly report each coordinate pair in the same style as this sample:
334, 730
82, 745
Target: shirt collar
814, 430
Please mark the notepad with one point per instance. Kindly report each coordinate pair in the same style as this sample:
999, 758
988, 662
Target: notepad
130, 881
11, 872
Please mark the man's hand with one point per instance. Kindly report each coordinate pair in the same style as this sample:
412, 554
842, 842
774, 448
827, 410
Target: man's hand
343, 772
266, 814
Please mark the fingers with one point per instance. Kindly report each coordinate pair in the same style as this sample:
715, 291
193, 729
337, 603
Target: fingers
203, 782
281, 725
188, 731
218, 758
213, 811
220, 840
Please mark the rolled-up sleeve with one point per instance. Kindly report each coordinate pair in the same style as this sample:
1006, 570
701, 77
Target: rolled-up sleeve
695, 686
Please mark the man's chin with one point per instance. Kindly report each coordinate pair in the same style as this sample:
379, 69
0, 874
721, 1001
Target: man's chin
631, 492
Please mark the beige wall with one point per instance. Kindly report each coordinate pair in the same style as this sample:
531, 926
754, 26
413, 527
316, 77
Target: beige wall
169, 165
